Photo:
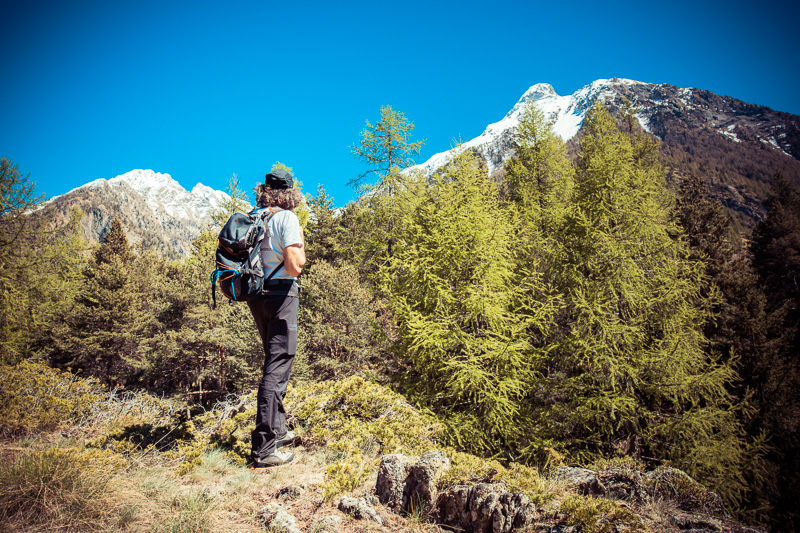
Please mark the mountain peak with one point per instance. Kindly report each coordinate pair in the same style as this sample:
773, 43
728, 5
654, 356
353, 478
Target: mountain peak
539, 91
143, 180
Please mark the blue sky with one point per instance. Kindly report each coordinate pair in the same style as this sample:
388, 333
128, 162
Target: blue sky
202, 90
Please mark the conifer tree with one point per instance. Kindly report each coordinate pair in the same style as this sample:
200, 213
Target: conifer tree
102, 333
236, 201
631, 371
39, 266
539, 178
204, 352
776, 258
457, 298
385, 147
324, 241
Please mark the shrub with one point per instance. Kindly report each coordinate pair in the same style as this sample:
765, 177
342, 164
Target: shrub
340, 334
33, 395
360, 421
598, 515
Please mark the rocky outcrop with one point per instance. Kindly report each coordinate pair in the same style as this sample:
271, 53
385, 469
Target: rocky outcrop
407, 487
484, 508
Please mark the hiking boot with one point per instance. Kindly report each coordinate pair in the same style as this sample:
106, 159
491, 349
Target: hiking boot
288, 438
276, 458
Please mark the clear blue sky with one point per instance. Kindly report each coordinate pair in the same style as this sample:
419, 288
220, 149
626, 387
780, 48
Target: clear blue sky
202, 90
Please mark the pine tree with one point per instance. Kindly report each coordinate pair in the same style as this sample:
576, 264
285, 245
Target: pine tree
630, 374
101, 335
776, 258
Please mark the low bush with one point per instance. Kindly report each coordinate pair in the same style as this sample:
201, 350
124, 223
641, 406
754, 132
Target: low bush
35, 396
598, 515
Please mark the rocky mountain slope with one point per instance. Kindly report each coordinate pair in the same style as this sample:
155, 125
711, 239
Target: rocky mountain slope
735, 146
154, 209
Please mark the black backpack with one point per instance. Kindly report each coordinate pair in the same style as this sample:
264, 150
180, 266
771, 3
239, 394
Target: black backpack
239, 269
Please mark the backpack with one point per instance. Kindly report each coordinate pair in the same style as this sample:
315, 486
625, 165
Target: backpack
239, 269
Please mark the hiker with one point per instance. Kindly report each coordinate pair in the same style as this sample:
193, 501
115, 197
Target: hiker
275, 313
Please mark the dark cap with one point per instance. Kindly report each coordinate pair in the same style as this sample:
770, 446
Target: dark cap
279, 179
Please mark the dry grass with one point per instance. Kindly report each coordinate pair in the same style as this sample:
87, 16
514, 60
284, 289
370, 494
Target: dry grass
46, 489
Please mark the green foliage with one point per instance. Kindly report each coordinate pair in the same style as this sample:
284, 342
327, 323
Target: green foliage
385, 146
339, 333
360, 421
36, 397
539, 178
39, 264
236, 202
100, 335
468, 469
325, 240
598, 515
458, 300
629, 373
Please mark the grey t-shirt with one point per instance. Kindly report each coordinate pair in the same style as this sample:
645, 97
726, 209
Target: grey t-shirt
284, 229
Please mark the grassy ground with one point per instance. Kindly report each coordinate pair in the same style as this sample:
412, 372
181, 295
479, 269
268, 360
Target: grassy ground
49, 484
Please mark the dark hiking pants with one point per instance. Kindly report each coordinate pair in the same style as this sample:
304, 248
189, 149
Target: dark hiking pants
275, 315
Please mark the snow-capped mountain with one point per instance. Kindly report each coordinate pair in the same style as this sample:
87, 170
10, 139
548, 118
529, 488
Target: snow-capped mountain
154, 209
737, 147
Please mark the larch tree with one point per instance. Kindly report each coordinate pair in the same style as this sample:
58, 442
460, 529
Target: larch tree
630, 374
457, 296
386, 149
39, 266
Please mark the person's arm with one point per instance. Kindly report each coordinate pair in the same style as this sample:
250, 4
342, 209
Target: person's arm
294, 256
294, 259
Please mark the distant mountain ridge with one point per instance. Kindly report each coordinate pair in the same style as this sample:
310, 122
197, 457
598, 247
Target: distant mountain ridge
155, 210
737, 147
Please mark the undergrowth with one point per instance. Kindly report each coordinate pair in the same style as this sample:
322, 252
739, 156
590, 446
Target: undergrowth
66, 489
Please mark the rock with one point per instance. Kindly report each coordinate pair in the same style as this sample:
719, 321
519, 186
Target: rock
327, 524
359, 509
392, 474
485, 508
419, 494
689, 495
695, 523
289, 493
582, 480
623, 483
274, 517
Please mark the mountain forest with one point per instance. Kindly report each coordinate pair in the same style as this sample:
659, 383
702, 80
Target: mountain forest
582, 310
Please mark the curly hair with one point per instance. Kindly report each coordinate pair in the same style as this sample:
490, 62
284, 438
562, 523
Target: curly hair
283, 198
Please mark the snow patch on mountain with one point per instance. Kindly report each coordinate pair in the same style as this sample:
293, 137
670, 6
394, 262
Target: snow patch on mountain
565, 113
165, 196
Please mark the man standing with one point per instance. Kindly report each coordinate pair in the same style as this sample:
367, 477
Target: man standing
275, 314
